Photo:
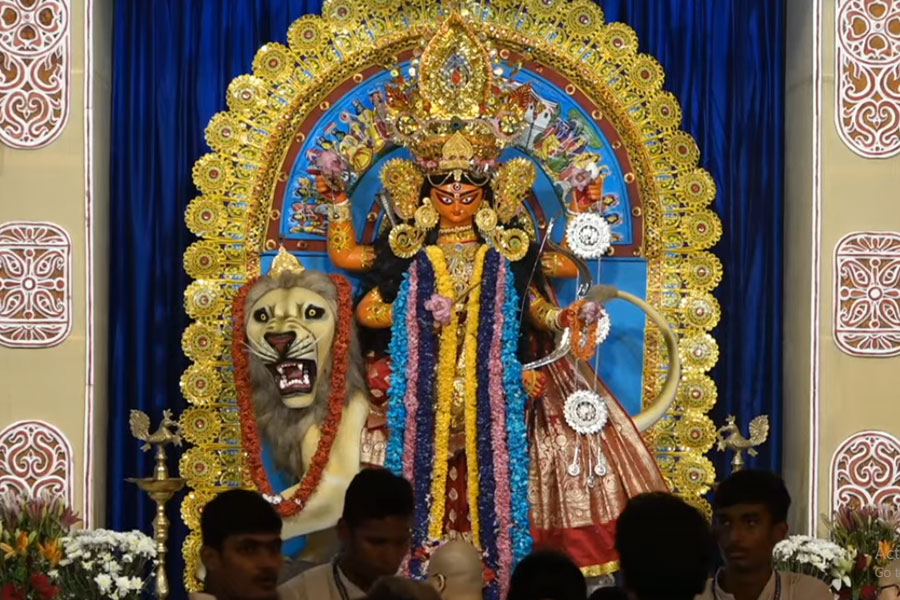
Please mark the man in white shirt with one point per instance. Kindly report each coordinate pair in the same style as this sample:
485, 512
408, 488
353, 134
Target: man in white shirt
241, 547
749, 517
374, 530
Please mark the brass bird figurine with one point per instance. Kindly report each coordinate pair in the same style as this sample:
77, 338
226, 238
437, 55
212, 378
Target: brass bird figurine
168, 431
730, 438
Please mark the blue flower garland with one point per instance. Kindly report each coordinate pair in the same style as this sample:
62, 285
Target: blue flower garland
516, 433
398, 350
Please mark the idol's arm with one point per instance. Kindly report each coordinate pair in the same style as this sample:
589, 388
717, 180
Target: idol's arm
542, 313
343, 250
374, 312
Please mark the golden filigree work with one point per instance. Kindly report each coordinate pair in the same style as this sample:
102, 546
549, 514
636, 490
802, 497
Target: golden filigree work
402, 179
267, 108
513, 181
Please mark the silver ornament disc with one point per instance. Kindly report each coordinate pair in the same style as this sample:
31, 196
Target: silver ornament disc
588, 235
585, 412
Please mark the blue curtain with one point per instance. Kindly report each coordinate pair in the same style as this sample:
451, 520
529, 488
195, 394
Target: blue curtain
724, 61
172, 61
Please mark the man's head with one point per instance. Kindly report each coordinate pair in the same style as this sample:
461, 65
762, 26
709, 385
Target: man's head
750, 517
547, 575
889, 581
241, 546
664, 548
456, 571
399, 588
376, 523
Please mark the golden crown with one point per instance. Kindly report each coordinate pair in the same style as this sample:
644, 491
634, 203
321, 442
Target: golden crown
453, 113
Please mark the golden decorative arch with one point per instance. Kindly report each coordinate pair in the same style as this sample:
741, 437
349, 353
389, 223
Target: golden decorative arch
353, 39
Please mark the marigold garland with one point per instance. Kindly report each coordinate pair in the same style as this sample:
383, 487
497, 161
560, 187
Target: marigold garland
470, 351
336, 400
446, 373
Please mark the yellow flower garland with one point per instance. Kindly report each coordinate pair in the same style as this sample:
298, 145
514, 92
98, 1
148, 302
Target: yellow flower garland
445, 376
471, 361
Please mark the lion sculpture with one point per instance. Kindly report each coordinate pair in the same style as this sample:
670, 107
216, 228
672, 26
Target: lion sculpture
291, 322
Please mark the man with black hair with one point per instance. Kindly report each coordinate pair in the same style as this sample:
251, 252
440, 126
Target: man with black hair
241, 547
749, 517
664, 546
547, 575
374, 531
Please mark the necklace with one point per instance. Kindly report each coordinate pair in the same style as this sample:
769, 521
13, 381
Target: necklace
462, 233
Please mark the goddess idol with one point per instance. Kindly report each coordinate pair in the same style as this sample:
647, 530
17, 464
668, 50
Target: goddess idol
457, 300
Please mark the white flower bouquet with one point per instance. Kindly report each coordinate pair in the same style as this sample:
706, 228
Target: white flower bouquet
815, 557
105, 564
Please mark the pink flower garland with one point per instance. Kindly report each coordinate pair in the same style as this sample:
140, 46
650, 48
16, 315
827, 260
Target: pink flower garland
503, 497
411, 399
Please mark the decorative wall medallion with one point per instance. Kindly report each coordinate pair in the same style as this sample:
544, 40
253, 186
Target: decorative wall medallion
865, 470
35, 284
867, 293
867, 60
34, 71
35, 458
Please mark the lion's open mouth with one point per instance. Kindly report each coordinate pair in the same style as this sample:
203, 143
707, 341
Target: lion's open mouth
294, 376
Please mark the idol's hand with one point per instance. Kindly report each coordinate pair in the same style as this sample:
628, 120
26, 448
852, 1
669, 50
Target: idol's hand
535, 383
584, 199
330, 189
587, 312
441, 308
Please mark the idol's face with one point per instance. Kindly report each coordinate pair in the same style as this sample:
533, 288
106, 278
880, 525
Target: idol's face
457, 202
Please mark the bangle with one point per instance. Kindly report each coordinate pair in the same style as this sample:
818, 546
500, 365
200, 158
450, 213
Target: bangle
340, 212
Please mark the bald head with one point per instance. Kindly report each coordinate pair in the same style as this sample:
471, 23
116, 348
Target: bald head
455, 569
889, 580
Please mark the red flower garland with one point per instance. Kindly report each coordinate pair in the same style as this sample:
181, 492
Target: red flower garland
336, 400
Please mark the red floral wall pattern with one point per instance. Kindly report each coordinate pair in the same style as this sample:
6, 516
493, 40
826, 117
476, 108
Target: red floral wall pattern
867, 293
34, 71
867, 61
35, 458
865, 470
35, 284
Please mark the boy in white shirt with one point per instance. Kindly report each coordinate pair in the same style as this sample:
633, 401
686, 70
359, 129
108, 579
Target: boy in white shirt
375, 533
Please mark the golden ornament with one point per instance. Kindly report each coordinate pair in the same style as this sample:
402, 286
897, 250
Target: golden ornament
403, 181
285, 262
486, 220
512, 243
426, 216
513, 181
405, 240
202, 342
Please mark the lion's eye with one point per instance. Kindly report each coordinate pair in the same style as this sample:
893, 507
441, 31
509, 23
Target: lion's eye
314, 312
261, 316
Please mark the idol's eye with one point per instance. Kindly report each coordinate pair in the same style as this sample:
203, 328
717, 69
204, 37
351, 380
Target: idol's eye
445, 199
261, 316
314, 312
469, 199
